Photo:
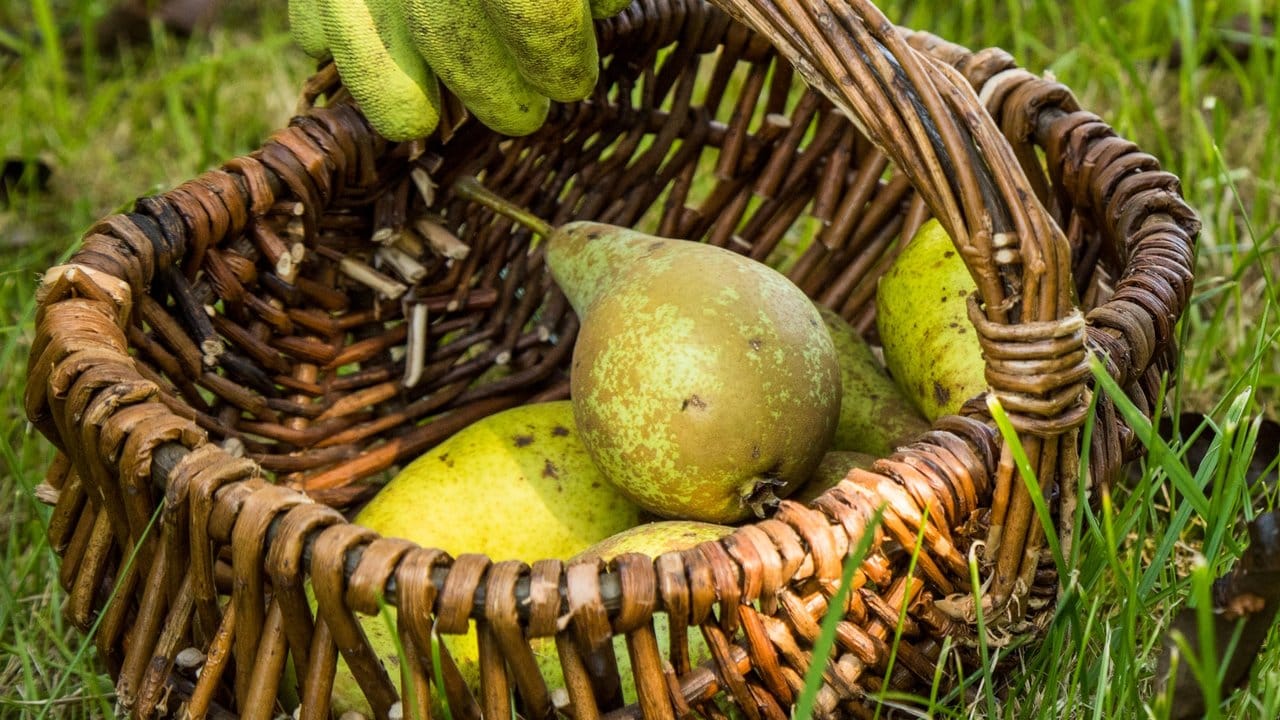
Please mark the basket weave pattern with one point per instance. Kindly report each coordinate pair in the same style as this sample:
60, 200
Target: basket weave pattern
236, 328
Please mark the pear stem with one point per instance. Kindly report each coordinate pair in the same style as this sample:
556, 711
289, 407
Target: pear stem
469, 188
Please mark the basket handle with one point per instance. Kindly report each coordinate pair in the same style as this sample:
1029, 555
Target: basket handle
924, 115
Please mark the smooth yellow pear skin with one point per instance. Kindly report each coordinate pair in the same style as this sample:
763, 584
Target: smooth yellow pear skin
654, 539
930, 345
515, 485
704, 383
875, 416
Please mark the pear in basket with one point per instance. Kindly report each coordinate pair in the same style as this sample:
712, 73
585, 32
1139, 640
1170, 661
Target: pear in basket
875, 416
704, 383
654, 539
515, 485
922, 314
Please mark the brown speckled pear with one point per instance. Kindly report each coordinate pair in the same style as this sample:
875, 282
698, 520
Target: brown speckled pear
922, 314
875, 416
704, 384
583, 268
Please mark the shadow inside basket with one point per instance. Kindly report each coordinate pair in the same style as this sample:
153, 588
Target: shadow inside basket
345, 332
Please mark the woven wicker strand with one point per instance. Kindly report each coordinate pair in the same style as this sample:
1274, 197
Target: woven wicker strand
232, 363
1015, 252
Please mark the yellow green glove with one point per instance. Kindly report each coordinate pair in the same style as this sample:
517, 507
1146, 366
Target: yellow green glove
504, 59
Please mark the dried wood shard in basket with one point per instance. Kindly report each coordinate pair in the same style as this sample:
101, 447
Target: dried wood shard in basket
259, 311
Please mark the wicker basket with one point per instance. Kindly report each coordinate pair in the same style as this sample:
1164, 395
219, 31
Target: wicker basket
203, 359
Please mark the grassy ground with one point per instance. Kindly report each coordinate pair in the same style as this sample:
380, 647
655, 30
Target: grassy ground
113, 127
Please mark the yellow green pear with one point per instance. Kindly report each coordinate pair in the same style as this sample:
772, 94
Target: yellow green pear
875, 416
704, 383
515, 485
835, 466
654, 539
930, 346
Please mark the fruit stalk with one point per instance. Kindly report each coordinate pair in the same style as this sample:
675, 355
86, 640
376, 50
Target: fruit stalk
469, 188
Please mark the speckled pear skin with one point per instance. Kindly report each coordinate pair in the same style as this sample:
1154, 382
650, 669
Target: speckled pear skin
518, 484
582, 267
704, 384
922, 315
835, 466
875, 416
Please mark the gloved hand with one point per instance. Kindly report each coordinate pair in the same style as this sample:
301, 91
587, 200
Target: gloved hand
504, 59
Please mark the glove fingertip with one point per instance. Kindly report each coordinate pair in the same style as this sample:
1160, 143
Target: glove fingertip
525, 121
306, 28
603, 9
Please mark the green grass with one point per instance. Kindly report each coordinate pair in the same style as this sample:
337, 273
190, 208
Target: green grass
119, 126
112, 128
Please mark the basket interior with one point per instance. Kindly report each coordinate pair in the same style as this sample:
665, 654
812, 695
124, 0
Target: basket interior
289, 341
